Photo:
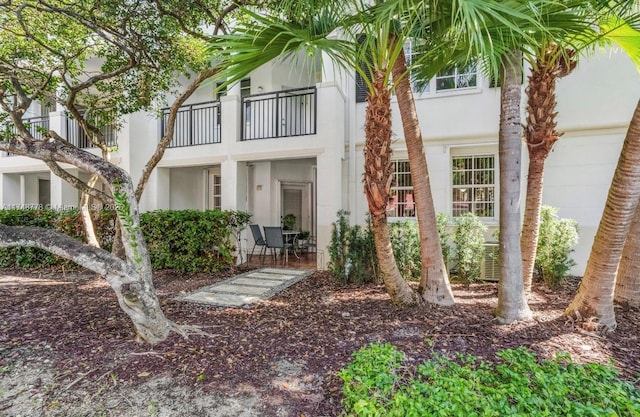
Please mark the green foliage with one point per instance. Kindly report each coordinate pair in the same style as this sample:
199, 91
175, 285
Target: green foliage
442, 223
68, 222
352, 252
519, 384
468, 238
191, 240
405, 241
370, 378
556, 240
289, 222
184, 240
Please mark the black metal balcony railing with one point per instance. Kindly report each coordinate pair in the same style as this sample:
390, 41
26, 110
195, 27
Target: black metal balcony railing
279, 114
37, 126
196, 124
77, 137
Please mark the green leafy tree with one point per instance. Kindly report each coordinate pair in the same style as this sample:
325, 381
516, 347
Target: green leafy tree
100, 66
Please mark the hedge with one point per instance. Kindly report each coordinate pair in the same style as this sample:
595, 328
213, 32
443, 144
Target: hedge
187, 240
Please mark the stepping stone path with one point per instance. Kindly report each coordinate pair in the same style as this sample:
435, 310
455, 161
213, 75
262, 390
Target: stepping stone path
248, 288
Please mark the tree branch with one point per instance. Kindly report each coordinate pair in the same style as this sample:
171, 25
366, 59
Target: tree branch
78, 183
114, 269
168, 135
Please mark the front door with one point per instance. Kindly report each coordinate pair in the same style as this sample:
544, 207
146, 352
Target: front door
296, 199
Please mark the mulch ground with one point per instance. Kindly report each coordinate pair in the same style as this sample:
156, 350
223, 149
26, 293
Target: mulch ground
318, 322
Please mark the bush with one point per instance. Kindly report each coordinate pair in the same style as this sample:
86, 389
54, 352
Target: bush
192, 240
519, 384
68, 222
442, 223
468, 238
556, 240
352, 252
179, 239
405, 241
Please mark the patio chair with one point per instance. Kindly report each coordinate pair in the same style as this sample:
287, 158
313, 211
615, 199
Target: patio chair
275, 240
258, 239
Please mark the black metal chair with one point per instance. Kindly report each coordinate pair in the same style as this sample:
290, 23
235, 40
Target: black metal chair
275, 240
259, 241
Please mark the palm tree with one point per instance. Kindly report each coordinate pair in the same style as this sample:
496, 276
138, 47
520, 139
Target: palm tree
594, 299
512, 301
540, 135
587, 25
628, 278
268, 38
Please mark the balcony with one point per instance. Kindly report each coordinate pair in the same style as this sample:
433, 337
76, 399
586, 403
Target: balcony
77, 137
196, 124
279, 114
37, 126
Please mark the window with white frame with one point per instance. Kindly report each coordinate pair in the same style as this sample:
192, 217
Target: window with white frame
401, 202
457, 78
473, 185
214, 190
450, 79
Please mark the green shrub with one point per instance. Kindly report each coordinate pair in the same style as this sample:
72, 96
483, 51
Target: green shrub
442, 223
468, 238
352, 252
179, 239
519, 384
556, 240
192, 240
68, 222
405, 241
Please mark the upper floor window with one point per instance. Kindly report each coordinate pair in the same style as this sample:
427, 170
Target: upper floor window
401, 203
245, 87
473, 185
457, 78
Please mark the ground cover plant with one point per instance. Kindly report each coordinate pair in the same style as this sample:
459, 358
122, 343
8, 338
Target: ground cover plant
378, 382
67, 349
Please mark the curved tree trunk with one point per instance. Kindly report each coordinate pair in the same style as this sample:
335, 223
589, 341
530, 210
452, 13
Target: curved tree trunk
377, 183
628, 277
540, 135
434, 279
85, 214
594, 299
512, 300
131, 279
531, 221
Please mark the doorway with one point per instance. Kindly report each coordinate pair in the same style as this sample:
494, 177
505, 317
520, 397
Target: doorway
297, 199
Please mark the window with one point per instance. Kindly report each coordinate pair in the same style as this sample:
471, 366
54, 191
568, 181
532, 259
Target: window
457, 78
220, 92
410, 53
473, 185
401, 203
245, 87
215, 190
245, 90
451, 79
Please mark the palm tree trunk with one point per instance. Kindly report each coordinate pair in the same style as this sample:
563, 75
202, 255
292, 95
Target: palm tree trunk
595, 295
434, 280
540, 135
531, 222
512, 300
377, 183
628, 278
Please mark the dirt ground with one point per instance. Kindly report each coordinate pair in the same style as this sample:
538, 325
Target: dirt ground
67, 350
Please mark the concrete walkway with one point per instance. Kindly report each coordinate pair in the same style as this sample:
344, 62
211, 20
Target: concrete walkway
245, 289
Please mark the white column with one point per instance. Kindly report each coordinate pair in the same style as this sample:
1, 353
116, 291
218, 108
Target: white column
63, 194
230, 181
10, 190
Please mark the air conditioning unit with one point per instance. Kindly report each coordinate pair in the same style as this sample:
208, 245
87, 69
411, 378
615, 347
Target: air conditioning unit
490, 264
